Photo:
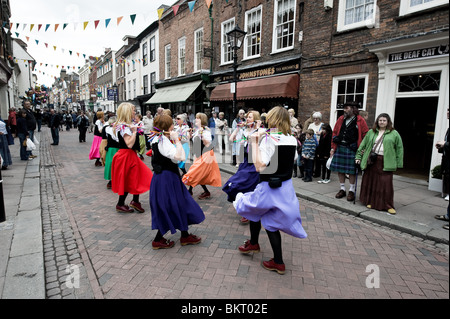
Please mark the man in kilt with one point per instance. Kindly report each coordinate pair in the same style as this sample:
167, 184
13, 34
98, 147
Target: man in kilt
348, 134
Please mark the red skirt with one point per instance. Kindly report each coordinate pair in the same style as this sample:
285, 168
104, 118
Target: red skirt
377, 187
129, 174
204, 171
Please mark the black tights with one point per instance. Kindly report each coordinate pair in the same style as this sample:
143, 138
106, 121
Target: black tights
274, 238
203, 186
124, 196
159, 235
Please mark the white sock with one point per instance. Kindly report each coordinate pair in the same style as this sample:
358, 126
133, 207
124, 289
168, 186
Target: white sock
342, 186
352, 188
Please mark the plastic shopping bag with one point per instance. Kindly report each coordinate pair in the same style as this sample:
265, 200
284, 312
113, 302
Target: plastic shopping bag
30, 145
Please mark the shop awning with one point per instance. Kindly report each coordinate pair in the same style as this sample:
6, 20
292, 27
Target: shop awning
174, 94
286, 86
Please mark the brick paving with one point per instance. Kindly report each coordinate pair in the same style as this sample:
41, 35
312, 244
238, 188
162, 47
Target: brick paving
114, 255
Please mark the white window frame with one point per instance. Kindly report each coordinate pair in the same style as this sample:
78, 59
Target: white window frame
369, 23
275, 26
198, 49
406, 8
249, 36
182, 56
168, 60
134, 88
334, 93
145, 53
152, 49
225, 46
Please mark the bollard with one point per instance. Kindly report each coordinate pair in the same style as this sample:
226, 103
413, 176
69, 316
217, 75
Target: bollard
2, 202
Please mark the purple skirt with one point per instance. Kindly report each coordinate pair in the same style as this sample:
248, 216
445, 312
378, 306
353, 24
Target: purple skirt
276, 208
243, 181
171, 204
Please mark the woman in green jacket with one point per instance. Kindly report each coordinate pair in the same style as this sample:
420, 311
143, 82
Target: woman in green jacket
377, 187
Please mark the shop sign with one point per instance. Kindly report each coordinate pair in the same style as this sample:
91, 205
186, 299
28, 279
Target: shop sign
254, 74
425, 53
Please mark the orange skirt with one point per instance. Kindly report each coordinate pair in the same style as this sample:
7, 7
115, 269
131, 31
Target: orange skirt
204, 171
129, 174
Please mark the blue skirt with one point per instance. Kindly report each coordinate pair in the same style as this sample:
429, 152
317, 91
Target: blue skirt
171, 204
276, 208
243, 181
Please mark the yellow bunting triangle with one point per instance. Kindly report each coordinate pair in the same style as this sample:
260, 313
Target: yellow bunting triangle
160, 12
85, 25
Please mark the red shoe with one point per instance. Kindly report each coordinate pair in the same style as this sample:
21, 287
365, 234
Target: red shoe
204, 195
124, 209
190, 240
248, 248
244, 220
137, 206
163, 244
271, 265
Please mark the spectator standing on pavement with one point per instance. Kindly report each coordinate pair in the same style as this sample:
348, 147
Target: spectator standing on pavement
205, 170
308, 154
377, 186
95, 147
90, 116
31, 123
348, 133
22, 134
443, 147
316, 126
300, 136
308, 122
83, 125
38, 116
68, 121
140, 135
128, 173
4, 146
12, 120
273, 204
54, 126
292, 119
323, 153
171, 205
222, 133
212, 126
148, 126
236, 137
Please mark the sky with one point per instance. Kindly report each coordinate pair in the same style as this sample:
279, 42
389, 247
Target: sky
90, 41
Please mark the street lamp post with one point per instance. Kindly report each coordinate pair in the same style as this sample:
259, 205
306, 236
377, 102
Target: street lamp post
235, 38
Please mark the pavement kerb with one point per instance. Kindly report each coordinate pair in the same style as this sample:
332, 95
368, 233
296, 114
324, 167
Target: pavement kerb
418, 230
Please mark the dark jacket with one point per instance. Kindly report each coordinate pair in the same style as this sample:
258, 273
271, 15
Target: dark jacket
31, 120
22, 126
55, 121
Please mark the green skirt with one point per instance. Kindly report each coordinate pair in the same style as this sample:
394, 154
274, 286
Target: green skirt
108, 162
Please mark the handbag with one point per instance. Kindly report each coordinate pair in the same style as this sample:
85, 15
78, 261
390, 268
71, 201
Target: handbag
373, 154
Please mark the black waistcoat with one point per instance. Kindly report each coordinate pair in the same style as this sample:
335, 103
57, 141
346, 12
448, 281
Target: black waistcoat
161, 163
281, 164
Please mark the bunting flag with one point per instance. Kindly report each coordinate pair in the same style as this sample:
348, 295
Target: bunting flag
132, 17
160, 13
65, 25
191, 5
107, 21
56, 27
85, 25
175, 9
31, 27
208, 3
96, 22
119, 19
39, 27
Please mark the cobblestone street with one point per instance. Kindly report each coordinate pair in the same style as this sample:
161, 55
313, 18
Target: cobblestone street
113, 257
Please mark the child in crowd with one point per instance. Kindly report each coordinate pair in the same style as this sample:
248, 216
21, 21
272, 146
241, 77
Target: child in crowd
308, 152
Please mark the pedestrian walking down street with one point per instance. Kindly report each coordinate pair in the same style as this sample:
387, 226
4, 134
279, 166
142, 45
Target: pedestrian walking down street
31, 123
22, 134
184, 132
380, 155
348, 133
171, 205
55, 121
83, 124
273, 204
246, 178
205, 170
95, 148
128, 173
112, 146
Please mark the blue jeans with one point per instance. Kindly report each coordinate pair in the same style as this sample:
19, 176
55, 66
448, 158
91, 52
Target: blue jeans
55, 135
23, 149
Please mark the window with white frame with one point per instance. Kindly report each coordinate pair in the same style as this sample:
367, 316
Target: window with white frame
198, 50
348, 88
152, 82
129, 90
227, 51
253, 37
134, 88
356, 14
182, 56
284, 25
411, 6
145, 53
152, 49
145, 84
168, 59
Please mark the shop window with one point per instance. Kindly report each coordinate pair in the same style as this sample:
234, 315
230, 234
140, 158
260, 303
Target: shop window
419, 82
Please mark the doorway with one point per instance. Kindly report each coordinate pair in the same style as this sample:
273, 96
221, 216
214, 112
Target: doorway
415, 120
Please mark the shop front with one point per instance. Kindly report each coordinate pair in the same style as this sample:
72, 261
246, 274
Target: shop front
413, 88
